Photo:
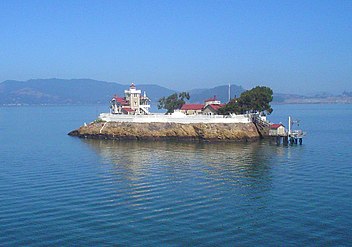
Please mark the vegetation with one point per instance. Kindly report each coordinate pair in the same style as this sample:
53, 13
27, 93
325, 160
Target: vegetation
173, 102
255, 100
99, 120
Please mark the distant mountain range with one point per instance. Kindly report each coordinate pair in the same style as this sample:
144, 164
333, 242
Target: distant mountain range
87, 91
75, 91
221, 93
325, 98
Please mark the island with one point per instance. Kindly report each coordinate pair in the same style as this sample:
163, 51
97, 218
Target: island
129, 119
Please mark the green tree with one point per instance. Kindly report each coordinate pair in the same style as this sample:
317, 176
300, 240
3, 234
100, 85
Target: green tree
256, 99
231, 107
173, 102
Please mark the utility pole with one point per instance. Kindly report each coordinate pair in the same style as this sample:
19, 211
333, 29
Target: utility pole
229, 92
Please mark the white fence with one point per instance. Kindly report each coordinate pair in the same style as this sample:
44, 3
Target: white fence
185, 119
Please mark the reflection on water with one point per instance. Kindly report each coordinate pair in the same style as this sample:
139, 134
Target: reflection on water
202, 190
238, 164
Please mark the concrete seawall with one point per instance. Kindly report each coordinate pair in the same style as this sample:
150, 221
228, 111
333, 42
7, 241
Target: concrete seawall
176, 118
169, 131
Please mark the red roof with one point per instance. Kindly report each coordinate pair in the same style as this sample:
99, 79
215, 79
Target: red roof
194, 107
275, 126
216, 106
127, 109
122, 101
211, 99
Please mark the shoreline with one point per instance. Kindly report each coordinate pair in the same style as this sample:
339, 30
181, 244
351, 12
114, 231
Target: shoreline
190, 132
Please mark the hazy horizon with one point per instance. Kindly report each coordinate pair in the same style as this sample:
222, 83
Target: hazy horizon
293, 47
313, 93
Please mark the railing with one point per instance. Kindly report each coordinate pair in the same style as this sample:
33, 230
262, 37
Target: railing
297, 133
175, 118
257, 119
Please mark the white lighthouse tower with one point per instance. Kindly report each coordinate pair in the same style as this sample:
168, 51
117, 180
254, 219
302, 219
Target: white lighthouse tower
134, 103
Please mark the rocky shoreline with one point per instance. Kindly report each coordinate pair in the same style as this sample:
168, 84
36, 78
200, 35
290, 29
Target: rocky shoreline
238, 132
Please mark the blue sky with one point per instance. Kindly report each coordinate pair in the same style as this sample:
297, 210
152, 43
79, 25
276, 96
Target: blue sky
290, 46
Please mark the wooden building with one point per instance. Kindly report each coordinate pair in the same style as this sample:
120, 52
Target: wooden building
210, 107
277, 130
192, 109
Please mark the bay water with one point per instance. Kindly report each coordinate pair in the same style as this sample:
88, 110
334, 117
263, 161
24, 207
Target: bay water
57, 190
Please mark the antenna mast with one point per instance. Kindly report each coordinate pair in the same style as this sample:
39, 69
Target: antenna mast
229, 92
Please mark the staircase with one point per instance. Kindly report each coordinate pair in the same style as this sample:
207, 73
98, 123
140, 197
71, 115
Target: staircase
262, 126
144, 109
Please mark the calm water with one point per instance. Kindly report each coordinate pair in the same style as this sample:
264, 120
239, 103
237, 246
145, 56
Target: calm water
60, 190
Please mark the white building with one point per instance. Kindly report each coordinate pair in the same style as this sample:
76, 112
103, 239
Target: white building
134, 107
134, 103
277, 130
212, 101
210, 107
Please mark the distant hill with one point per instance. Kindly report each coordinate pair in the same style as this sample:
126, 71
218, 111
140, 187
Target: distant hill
322, 98
282, 97
75, 91
154, 92
221, 93
87, 91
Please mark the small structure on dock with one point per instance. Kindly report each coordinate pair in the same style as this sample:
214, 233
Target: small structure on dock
279, 133
277, 130
294, 136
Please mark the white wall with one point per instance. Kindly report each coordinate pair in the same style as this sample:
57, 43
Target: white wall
161, 118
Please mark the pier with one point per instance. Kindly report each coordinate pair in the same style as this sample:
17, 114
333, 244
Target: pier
290, 136
293, 138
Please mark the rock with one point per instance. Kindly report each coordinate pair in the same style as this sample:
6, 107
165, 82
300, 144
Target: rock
169, 131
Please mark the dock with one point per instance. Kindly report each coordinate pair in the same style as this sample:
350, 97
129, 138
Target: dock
279, 133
